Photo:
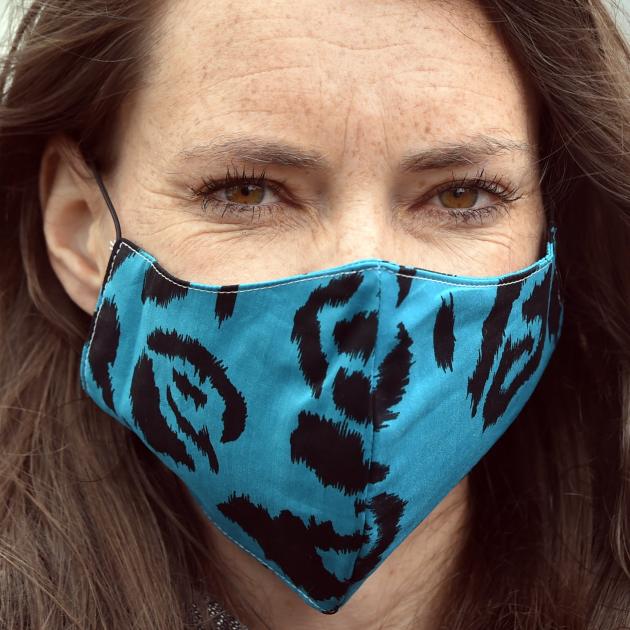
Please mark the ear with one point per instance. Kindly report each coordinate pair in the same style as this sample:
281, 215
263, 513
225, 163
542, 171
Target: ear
77, 224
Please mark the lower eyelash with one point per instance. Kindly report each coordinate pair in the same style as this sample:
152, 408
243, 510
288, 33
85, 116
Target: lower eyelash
234, 208
478, 214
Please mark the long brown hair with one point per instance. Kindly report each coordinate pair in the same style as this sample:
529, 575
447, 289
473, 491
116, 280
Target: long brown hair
94, 533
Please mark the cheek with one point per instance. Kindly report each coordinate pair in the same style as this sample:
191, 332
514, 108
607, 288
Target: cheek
518, 245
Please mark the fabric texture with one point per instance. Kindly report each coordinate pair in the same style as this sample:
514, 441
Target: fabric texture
317, 419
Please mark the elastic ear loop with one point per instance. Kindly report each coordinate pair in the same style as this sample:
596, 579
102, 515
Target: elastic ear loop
108, 201
552, 227
552, 224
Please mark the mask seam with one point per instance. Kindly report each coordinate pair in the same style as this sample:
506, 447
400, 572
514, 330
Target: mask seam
372, 412
332, 275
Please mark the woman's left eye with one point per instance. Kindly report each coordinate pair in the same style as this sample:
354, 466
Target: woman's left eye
460, 197
471, 199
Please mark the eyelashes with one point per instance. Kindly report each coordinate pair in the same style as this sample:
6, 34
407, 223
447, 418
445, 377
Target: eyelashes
206, 193
507, 194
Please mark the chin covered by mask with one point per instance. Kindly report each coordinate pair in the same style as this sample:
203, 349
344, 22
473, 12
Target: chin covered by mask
317, 419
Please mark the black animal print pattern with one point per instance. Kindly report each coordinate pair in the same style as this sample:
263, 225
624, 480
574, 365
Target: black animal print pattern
318, 419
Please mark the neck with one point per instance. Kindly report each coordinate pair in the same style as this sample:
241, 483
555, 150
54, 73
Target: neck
403, 592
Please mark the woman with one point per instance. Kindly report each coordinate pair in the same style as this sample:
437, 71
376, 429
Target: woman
252, 149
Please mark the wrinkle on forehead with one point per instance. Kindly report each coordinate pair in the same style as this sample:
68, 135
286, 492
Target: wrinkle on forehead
223, 37
313, 70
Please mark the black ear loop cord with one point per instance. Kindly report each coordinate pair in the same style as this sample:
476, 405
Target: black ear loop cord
108, 201
552, 227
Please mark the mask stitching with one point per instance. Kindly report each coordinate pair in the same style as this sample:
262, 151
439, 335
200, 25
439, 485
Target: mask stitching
332, 275
372, 403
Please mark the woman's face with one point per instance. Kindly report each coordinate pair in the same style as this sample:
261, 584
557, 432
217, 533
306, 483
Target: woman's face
353, 124
348, 120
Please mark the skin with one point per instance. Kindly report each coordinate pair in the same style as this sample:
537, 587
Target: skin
364, 83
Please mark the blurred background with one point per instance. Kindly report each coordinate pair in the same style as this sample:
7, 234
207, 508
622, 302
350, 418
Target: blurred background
614, 5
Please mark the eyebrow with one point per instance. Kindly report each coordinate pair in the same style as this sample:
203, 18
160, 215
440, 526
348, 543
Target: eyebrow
257, 150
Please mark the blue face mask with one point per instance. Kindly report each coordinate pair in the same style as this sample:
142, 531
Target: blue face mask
317, 419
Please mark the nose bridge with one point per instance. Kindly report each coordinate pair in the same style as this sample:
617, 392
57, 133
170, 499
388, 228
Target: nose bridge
360, 223
359, 217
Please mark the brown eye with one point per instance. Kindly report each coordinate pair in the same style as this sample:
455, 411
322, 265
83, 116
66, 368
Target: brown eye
245, 194
460, 197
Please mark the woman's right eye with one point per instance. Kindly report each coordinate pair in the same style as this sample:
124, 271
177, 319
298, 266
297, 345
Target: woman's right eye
238, 194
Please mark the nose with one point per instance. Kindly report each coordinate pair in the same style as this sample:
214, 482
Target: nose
358, 225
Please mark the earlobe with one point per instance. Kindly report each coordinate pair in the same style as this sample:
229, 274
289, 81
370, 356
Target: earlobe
76, 236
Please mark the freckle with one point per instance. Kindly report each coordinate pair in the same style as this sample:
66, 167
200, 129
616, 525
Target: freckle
427, 128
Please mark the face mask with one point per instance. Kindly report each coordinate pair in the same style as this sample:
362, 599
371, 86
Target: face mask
318, 418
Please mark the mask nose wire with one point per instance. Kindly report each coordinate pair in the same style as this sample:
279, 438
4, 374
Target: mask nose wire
108, 201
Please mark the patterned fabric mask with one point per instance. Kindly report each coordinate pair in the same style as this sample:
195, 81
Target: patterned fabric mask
318, 418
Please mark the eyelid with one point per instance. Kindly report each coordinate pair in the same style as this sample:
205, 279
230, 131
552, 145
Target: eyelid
506, 193
496, 186
209, 186
268, 186
276, 186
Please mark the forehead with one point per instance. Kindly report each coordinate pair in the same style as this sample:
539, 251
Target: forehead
325, 72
